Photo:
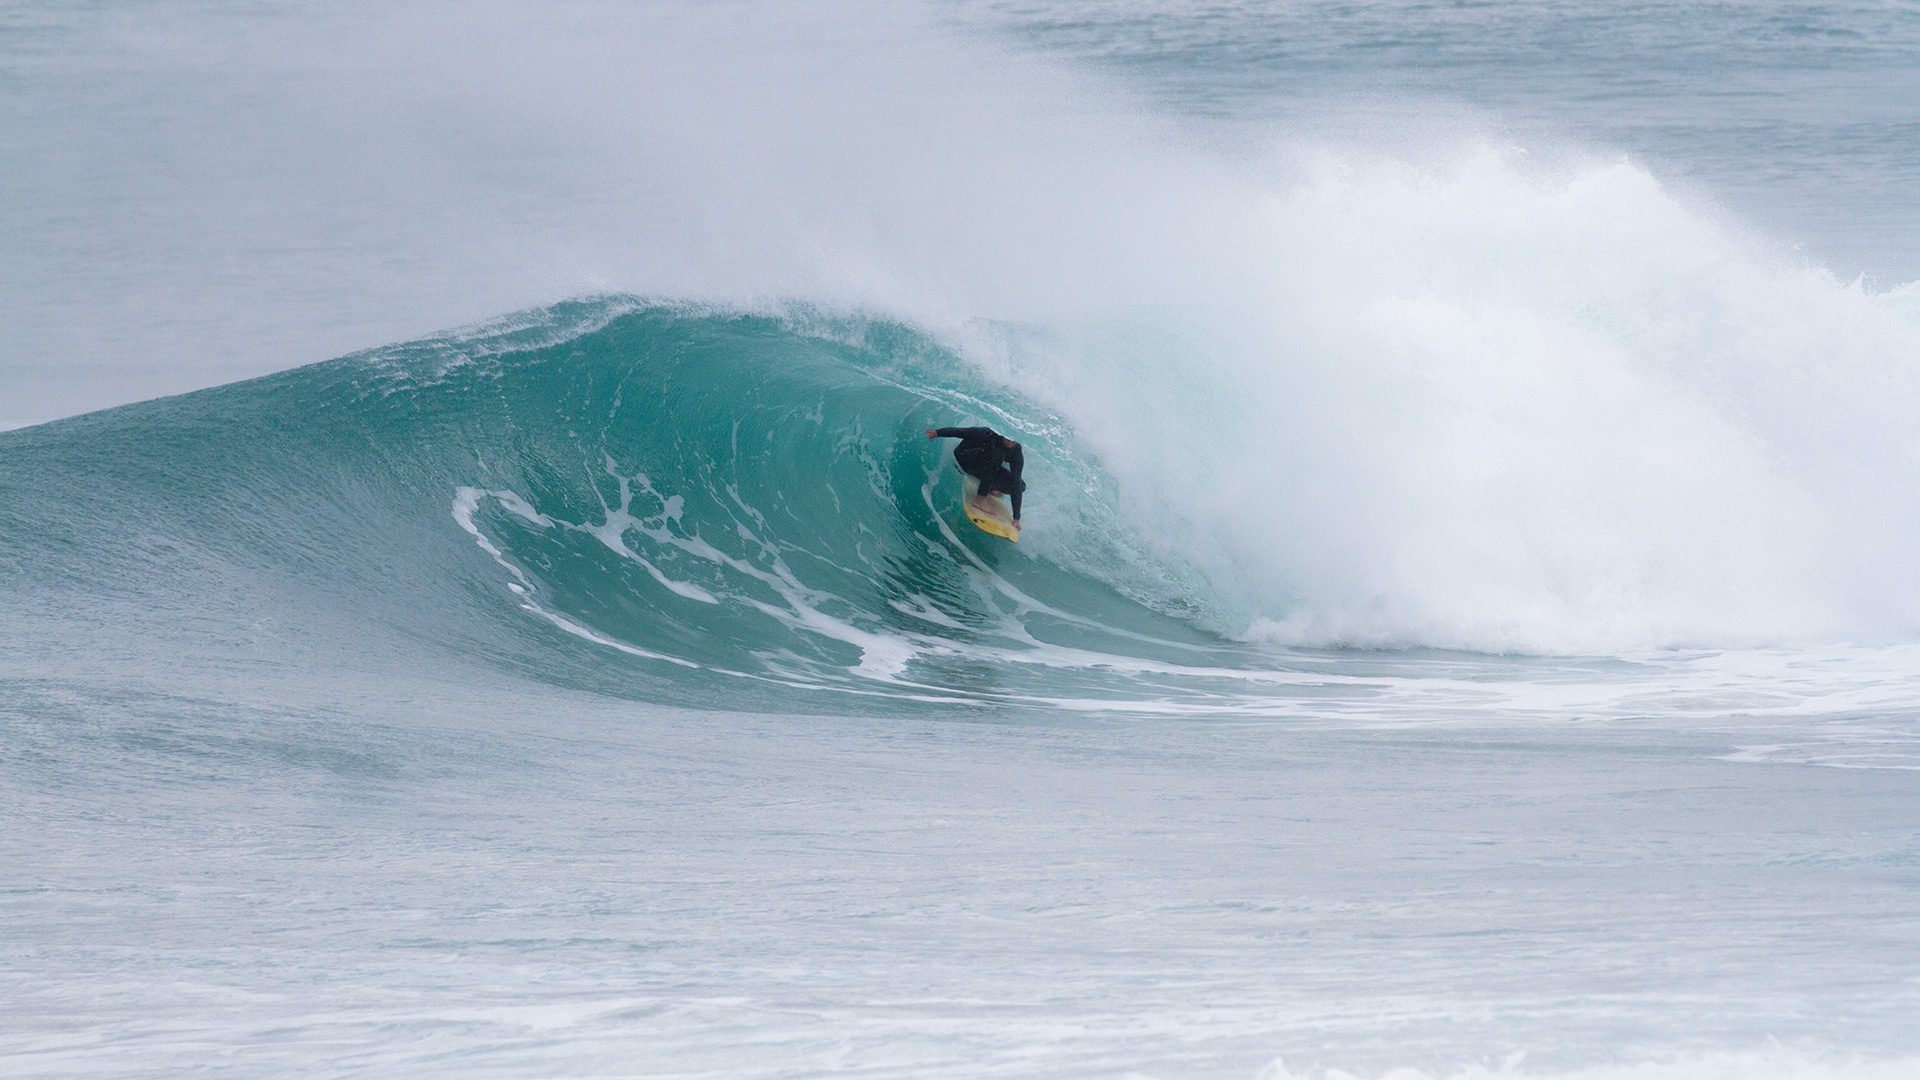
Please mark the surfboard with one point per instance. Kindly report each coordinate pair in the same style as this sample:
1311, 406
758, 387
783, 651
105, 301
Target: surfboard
989, 512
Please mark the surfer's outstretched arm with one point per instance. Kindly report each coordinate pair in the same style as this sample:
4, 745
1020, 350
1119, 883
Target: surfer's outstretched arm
962, 433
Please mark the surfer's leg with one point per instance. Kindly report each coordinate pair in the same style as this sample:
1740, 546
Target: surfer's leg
1000, 481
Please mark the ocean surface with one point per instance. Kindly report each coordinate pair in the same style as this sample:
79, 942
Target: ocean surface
1467, 623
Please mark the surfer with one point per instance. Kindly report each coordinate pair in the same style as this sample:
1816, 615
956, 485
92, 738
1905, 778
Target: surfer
991, 458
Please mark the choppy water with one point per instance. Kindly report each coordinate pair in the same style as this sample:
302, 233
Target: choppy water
1465, 623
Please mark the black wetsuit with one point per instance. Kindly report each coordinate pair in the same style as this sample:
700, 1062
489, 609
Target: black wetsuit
984, 454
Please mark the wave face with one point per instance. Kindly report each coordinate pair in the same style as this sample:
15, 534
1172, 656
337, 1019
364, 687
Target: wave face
688, 504
754, 498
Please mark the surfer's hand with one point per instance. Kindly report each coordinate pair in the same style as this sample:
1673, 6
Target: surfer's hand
1016, 523
931, 435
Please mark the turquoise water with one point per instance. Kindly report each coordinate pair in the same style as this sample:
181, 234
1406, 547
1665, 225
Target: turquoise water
1465, 624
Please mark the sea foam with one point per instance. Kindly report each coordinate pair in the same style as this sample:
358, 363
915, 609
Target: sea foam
1486, 405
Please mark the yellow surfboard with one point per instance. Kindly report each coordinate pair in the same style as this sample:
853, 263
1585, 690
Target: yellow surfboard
989, 512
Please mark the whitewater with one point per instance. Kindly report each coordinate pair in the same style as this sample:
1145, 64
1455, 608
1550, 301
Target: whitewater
479, 600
